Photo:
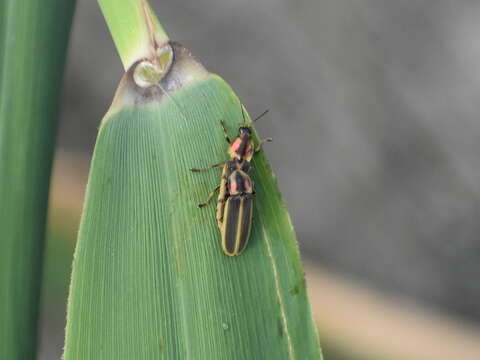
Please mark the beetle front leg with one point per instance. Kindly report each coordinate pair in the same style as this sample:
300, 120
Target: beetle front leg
210, 197
263, 141
225, 134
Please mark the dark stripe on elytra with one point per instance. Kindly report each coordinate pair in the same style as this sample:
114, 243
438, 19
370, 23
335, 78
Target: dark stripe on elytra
246, 221
230, 220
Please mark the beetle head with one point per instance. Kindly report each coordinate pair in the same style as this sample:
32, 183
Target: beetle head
244, 130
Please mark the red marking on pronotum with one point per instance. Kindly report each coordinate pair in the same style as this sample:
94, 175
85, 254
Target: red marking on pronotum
236, 144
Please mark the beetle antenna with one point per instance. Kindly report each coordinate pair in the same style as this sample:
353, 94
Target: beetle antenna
243, 112
261, 115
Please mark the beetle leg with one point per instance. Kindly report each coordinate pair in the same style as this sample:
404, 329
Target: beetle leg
259, 147
225, 134
212, 194
208, 167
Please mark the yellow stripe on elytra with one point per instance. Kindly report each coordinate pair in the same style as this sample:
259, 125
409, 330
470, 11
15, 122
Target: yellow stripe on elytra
250, 221
222, 198
224, 226
238, 234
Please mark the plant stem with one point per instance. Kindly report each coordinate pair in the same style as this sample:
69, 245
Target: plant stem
134, 27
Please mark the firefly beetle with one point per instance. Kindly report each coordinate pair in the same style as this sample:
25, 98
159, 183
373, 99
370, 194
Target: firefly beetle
235, 200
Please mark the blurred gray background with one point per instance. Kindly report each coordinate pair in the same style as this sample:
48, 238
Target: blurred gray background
374, 115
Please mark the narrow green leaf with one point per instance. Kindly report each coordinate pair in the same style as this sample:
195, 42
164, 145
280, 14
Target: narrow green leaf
34, 40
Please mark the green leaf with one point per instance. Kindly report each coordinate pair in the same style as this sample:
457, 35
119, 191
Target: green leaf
150, 279
33, 40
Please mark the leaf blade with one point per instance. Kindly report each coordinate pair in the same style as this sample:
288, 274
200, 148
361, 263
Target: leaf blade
202, 304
